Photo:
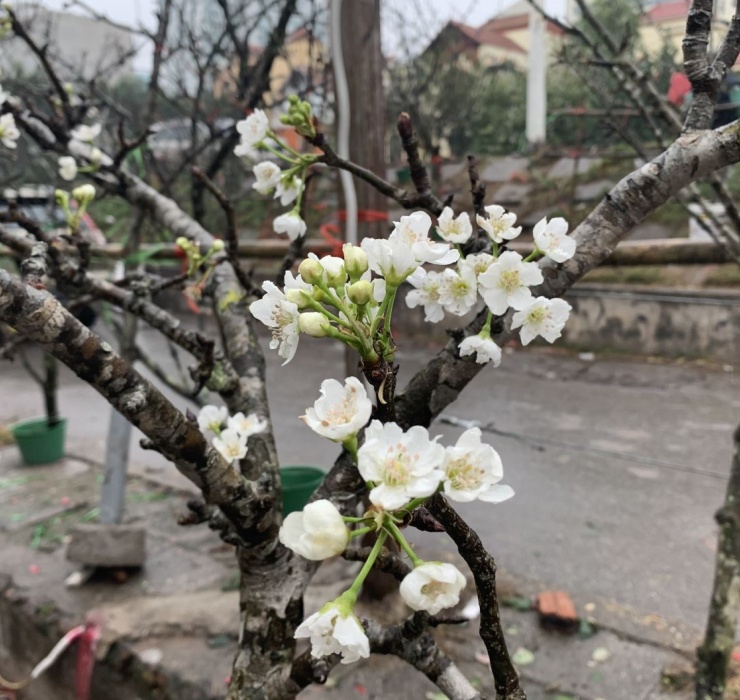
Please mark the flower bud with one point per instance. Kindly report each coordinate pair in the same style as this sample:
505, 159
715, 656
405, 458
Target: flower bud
355, 261
361, 292
312, 271
96, 155
84, 194
217, 246
298, 297
314, 324
336, 277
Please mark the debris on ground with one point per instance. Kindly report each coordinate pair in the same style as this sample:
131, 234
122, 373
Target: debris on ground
523, 657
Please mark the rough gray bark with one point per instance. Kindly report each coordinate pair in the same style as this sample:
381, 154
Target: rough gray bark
713, 656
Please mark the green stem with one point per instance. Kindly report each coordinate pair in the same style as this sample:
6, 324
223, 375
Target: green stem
415, 503
350, 444
354, 589
536, 253
361, 531
390, 294
282, 144
486, 330
348, 519
494, 249
274, 151
405, 546
366, 351
321, 309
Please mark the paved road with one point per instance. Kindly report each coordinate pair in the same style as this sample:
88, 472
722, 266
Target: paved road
618, 465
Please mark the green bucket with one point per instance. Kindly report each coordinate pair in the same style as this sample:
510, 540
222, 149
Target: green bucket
38, 443
299, 482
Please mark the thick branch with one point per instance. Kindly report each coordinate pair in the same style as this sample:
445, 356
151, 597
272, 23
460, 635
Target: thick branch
719, 640
40, 317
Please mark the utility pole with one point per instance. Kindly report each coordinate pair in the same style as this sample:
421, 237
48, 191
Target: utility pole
537, 80
363, 58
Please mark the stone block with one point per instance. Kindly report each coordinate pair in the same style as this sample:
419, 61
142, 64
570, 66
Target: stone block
95, 544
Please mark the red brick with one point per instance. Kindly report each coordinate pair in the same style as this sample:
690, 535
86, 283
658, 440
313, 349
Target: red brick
556, 607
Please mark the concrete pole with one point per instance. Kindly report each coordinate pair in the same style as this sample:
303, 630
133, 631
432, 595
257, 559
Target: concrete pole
537, 80
113, 491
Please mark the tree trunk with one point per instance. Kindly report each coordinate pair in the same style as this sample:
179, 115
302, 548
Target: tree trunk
714, 654
364, 61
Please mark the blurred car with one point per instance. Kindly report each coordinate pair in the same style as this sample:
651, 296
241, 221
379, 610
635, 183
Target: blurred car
37, 202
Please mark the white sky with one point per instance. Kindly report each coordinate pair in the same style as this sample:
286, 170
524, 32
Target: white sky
469, 11
428, 15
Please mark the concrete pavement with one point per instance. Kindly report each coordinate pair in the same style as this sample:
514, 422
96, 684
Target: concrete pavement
618, 467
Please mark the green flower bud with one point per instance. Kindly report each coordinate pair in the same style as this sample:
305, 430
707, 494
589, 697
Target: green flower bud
218, 246
361, 292
312, 271
84, 194
314, 324
298, 297
355, 261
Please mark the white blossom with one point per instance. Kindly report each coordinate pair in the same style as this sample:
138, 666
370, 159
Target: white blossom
478, 263
281, 316
506, 282
551, 238
454, 230
545, 317
484, 349
459, 291
231, 445
341, 412
432, 586
499, 226
253, 129
393, 259
248, 425
331, 632
291, 224
427, 293
317, 532
212, 418
85, 133
267, 176
9, 133
472, 470
402, 465
288, 192
413, 230
243, 150
67, 168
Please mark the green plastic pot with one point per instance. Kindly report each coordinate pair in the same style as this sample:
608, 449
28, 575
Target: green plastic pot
38, 443
299, 482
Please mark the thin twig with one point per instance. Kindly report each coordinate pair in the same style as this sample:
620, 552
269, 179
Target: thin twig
231, 235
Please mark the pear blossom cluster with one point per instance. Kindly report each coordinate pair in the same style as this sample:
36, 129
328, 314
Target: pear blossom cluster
9, 132
286, 185
351, 298
501, 278
402, 469
230, 433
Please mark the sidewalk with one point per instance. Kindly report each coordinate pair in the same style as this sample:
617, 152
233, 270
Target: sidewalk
618, 467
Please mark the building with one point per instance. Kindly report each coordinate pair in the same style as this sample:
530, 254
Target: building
81, 48
665, 23
504, 39
300, 67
